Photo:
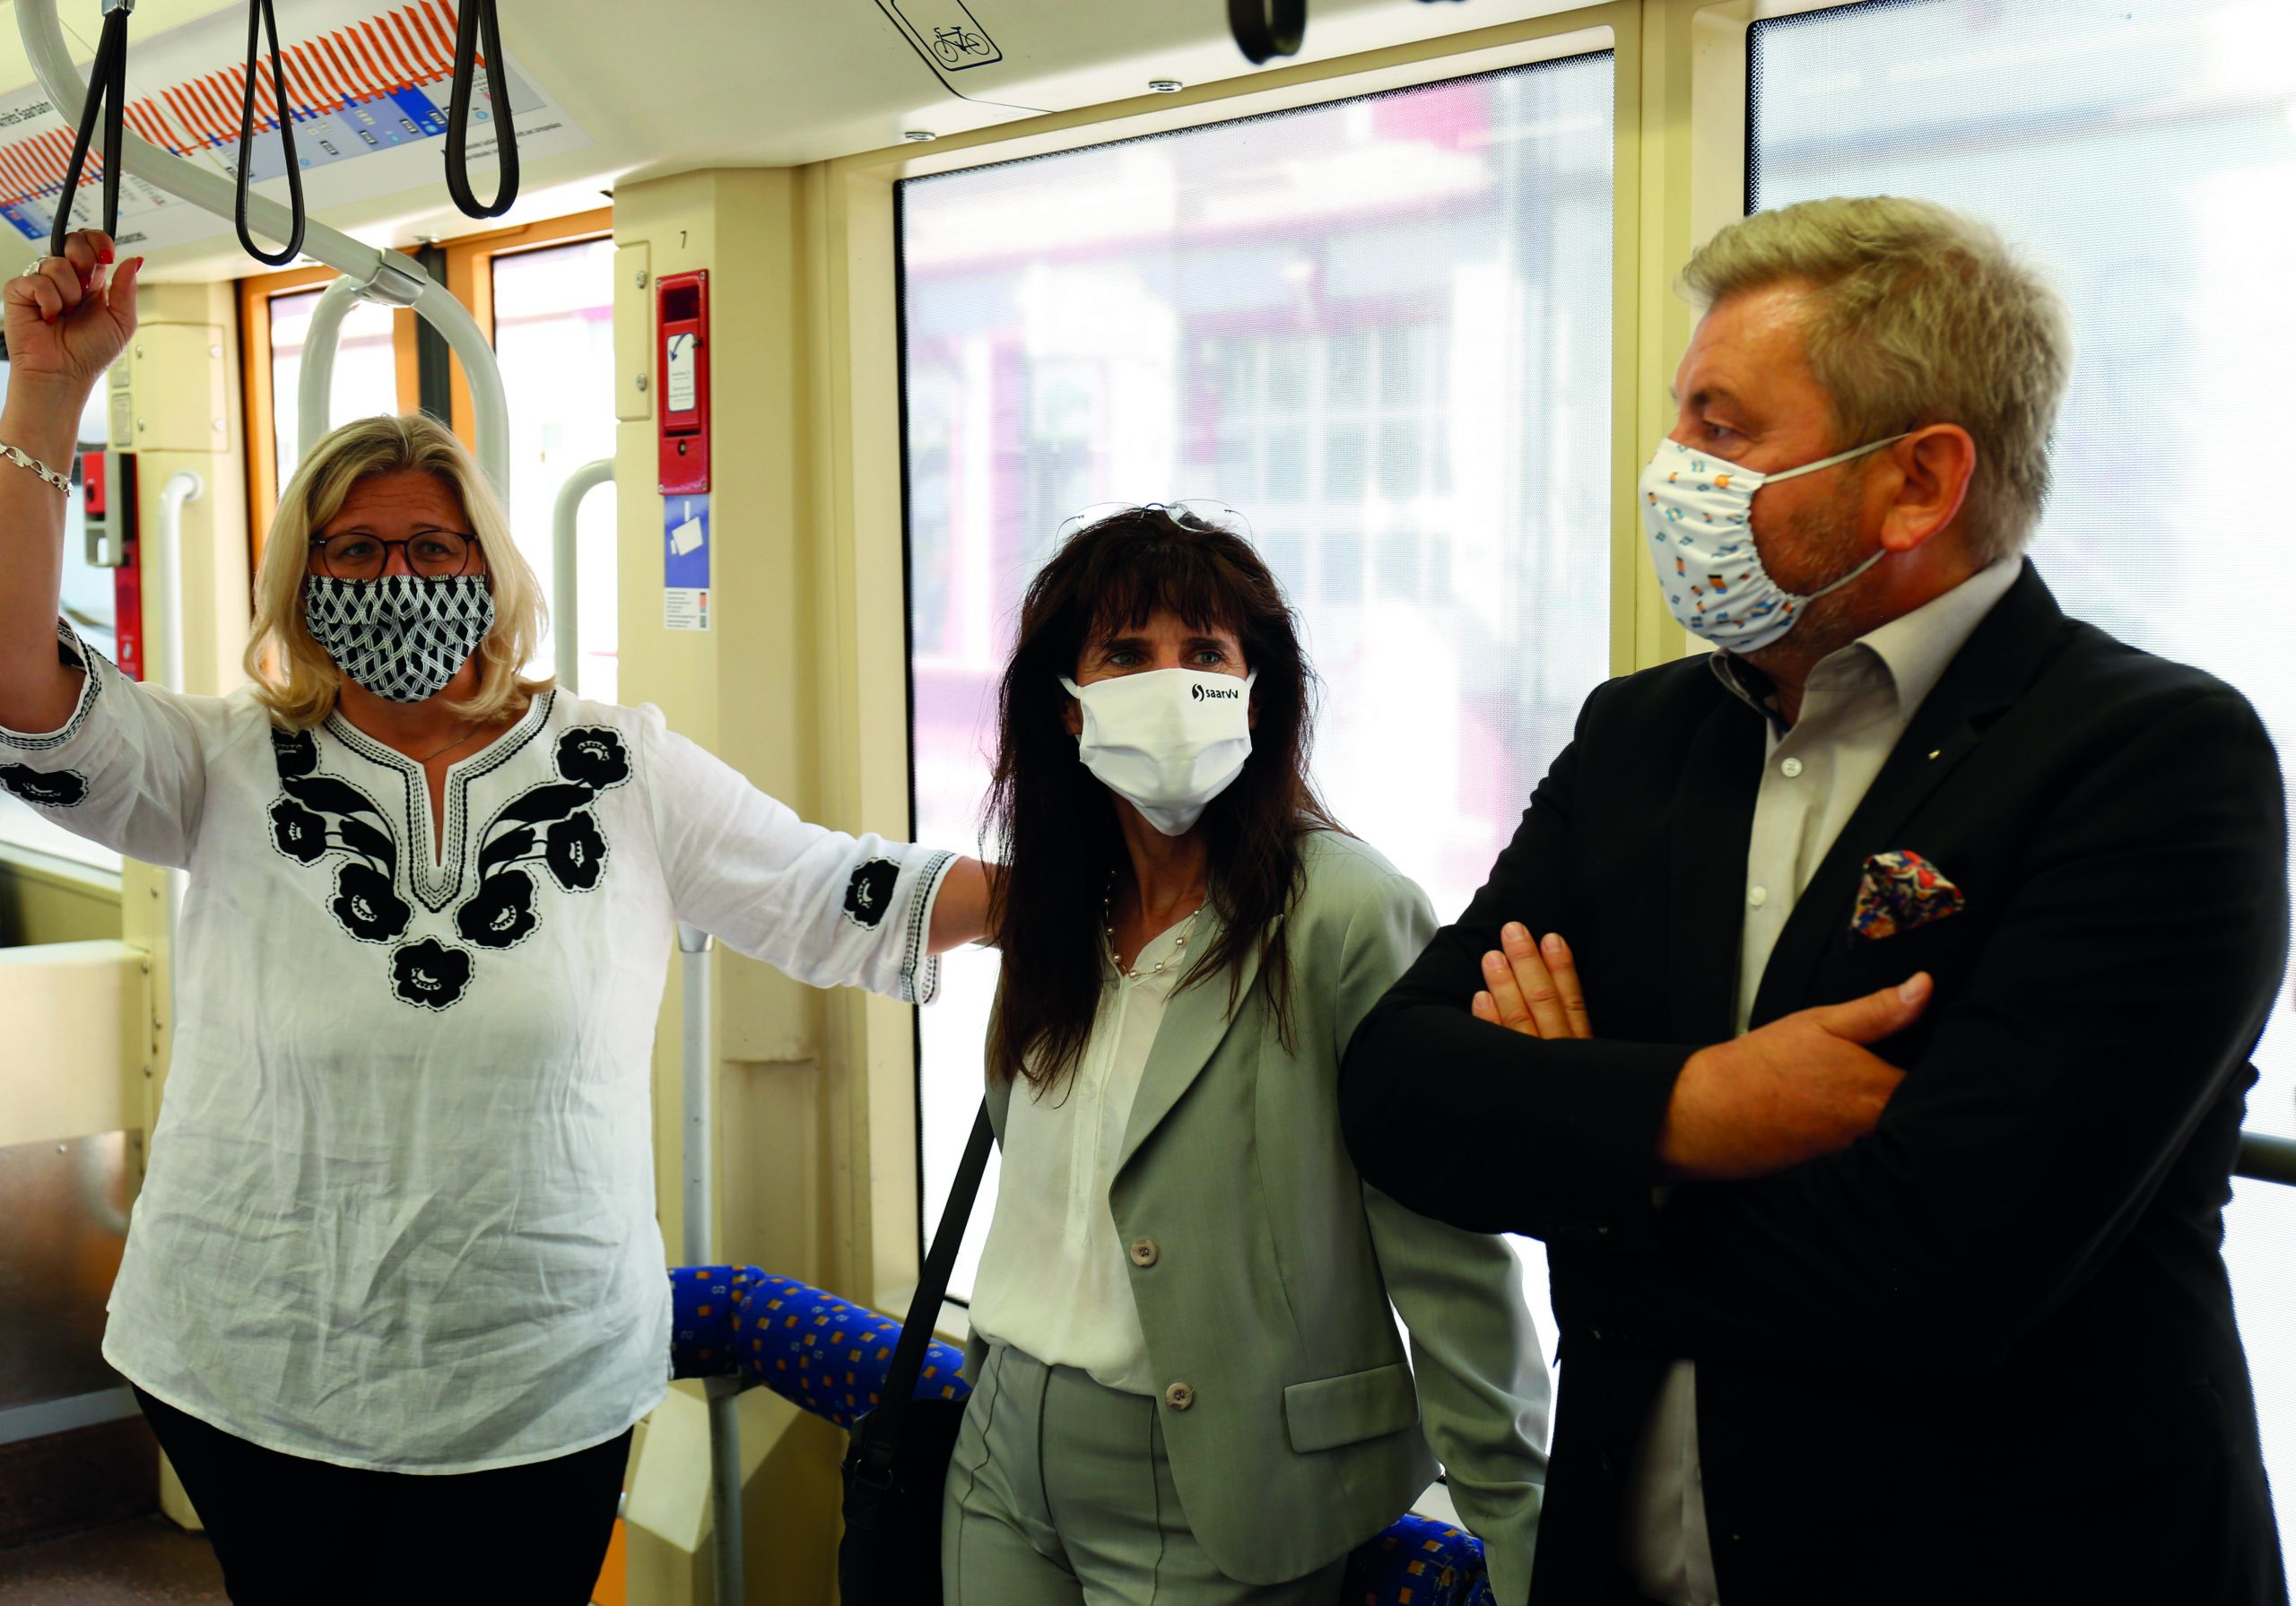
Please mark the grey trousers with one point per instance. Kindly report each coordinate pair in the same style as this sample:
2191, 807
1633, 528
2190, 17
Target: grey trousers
1060, 1494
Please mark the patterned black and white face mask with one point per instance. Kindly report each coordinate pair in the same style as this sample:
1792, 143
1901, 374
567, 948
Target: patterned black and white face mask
401, 637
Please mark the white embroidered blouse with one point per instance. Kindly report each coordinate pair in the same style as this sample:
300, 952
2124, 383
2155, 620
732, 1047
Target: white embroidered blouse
398, 1210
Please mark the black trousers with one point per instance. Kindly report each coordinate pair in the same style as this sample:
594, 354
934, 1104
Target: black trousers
289, 1530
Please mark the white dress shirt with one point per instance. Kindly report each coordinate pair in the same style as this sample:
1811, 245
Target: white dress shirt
399, 1212
1054, 1282
1858, 704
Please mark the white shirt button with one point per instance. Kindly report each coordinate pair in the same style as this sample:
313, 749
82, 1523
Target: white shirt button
1758, 896
1790, 768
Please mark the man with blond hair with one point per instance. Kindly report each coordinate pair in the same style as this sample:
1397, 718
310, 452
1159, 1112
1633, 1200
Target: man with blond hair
1874, 1057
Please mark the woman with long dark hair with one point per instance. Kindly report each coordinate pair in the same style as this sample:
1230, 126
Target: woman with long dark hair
1189, 1384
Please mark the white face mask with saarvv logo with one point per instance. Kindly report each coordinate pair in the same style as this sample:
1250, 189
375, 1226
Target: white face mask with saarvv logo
1168, 741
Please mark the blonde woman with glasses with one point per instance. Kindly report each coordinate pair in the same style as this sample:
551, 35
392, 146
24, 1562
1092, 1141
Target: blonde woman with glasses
394, 1266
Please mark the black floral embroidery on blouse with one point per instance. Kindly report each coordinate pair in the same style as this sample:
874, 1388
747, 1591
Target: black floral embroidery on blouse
430, 973
575, 852
50, 789
316, 815
593, 755
551, 824
501, 913
870, 893
294, 751
368, 906
296, 833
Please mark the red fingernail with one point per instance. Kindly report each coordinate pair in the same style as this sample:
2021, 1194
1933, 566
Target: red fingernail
104, 255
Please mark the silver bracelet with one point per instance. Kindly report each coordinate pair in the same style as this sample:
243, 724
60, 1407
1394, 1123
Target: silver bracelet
23, 459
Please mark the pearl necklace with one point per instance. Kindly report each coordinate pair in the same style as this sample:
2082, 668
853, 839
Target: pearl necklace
1108, 929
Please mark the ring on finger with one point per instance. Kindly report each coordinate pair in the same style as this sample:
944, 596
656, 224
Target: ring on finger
31, 268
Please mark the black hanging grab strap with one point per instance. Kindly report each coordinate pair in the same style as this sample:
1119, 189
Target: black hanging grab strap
107, 97
1268, 28
259, 14
471, 17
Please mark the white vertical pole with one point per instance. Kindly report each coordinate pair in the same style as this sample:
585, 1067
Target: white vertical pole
722, 1394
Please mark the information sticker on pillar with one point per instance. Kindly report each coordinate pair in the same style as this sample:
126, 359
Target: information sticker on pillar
685, 562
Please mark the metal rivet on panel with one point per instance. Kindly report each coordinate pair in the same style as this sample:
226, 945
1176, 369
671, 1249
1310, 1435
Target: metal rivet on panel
641, 381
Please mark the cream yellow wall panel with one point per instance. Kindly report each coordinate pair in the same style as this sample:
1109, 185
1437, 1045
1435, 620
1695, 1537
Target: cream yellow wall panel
634, 334
176, 371
49, 899
77, 1040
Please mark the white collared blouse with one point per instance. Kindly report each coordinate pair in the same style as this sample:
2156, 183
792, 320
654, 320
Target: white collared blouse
1054, 1282
398, 1211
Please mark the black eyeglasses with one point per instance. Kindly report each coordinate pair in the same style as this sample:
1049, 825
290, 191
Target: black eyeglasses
434, 554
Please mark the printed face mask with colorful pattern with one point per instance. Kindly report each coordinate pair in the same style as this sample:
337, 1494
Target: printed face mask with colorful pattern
1698, 509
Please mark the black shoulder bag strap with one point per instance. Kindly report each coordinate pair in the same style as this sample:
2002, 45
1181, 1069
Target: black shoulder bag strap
916, 1331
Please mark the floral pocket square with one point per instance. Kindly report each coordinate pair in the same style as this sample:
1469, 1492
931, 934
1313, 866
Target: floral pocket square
1899, 891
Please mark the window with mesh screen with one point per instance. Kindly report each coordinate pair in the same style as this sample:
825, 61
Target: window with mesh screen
1382, 330
2144, 154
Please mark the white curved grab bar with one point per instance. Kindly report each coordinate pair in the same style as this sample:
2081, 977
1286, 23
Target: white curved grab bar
315, 384
565, 583
384, 274
399, 282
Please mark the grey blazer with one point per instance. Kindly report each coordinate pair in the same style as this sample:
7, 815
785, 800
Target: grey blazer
1263, 1268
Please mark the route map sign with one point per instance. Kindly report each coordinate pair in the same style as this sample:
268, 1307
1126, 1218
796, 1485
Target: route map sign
370, 91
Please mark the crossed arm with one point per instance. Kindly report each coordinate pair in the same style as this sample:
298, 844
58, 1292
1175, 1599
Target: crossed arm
1803, 1086
2102, 1027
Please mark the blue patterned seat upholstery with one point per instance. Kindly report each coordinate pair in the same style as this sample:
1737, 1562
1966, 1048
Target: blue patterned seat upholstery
830, 1357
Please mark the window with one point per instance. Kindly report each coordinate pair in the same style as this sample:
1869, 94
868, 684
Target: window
1381, 329
543, 294
554, 334
2138, 152
366, 369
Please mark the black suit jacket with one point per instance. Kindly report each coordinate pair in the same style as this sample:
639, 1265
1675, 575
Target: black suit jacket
1986, 1353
